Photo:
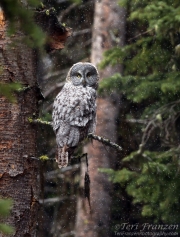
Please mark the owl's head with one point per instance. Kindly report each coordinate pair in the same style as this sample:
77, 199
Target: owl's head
83, 74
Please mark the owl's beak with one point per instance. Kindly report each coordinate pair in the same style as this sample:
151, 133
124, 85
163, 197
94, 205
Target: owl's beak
84, 82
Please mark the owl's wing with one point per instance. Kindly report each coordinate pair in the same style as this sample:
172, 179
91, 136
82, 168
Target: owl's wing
63, 105
74, 106
92, 125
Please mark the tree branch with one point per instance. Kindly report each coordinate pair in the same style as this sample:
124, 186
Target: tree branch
66, 12
104, 141
39, 121
53, 88
52, 201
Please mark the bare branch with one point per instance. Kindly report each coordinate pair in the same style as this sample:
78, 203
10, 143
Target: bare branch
82, 32
51, 201
143, 33
54, 74
140, 121
53, 88
59, 172
67, 234
66, 12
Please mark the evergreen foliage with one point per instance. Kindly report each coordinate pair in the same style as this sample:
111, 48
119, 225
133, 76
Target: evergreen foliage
151, 60
5, 206
8, 89
23, 15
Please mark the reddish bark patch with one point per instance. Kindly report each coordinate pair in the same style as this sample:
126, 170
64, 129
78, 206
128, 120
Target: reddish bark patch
2, 20
57, 41
2, 24
56, 32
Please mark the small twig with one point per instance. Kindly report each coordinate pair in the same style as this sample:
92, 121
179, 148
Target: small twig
105, 141
82, 32
140, 121
79, 157
59, 172
66, 12
67, 234
143, 33
87, 42
51, 201
87, 188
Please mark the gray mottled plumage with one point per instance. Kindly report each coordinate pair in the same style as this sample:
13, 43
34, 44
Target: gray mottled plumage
74, 110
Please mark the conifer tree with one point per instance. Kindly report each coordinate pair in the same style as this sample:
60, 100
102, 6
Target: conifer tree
150, 83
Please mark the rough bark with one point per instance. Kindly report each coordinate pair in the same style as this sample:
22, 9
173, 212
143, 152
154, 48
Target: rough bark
109, 28
18, 173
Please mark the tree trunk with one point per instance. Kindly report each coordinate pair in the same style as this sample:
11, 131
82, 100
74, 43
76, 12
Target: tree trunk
109, 31
18, 171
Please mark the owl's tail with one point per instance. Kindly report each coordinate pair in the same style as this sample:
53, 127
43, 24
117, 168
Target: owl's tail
62, 157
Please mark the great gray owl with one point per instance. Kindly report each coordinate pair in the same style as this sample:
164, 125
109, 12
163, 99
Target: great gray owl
74, 110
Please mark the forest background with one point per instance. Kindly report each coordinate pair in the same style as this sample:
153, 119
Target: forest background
144, 89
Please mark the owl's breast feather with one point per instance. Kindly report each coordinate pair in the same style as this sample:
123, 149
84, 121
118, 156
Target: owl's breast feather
74, 105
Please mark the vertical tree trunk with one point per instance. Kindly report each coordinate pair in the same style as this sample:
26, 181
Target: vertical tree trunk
109, 30
18, 172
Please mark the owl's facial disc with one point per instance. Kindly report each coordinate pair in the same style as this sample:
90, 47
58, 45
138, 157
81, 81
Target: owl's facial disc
84, 74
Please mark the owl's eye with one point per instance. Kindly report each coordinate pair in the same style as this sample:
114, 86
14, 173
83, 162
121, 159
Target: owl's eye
88, 74
78, 75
